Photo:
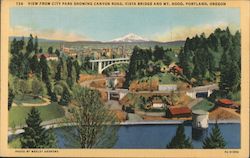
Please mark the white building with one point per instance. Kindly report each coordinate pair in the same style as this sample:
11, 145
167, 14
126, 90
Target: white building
200, 119
167, 87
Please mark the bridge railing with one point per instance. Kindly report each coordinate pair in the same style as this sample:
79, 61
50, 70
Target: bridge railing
113, 59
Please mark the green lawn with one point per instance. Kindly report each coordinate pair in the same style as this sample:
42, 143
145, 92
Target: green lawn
15, 143
17, 114
166, 78
27, 99
204, 105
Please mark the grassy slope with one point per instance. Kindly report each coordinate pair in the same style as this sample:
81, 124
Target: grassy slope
15, 143
204, 105
167, 78
17, 114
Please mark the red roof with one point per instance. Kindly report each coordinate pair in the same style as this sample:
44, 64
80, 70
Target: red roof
177, 68
180, 110
46, 55
226, 101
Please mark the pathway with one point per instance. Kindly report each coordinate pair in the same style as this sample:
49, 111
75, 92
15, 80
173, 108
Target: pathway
47, 102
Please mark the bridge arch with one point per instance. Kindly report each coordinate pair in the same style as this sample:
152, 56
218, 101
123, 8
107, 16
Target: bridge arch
105, 63
107, 66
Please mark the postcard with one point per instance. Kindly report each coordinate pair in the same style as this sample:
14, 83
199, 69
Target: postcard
103, 78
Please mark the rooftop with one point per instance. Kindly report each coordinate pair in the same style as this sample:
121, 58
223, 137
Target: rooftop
180, 110
226, 101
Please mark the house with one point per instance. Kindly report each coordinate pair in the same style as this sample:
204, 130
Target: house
178, 112
157, 103
175, 69
48, 56
225, 103
228, 103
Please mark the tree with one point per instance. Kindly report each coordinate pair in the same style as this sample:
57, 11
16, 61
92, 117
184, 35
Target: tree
65, 97
44, 69
179, 141
215, 139
40, 50
38, 88
58, 75
23, 87
77, 69
11, 97
30, 45
19, 65
36, 45
50, 50
69, 67
34, 66
94, 122
57, 52
35, 136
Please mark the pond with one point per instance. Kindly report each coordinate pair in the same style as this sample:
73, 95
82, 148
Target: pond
158, 136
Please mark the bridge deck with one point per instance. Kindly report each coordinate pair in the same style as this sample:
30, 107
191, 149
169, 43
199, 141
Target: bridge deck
103, 60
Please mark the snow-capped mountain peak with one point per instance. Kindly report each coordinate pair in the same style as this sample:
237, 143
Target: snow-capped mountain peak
131, 37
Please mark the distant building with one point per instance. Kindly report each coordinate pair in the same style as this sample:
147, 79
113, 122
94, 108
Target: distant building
225, 103
178, 112
200, 119
158, 103
177, 70
167, 87
228, 104
49, 57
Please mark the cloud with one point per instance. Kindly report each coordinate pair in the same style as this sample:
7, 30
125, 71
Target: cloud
181, 32
47, 34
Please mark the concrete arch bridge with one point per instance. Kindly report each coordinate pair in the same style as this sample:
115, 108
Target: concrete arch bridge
103, 64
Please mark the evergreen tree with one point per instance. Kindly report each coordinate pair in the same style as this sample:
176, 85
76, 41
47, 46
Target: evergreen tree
35, 66
36, 45
45, 77
40, 50
17, 62
69, 67
77, 69
50, 50
11, 97
44, 69
65, 97
215, 140
57, 52
179, 141
58, 75
30, 45
35, 136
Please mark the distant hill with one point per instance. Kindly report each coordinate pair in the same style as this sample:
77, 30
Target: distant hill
122, 41
39, 39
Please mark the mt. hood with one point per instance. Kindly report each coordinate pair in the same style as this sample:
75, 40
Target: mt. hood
131, 37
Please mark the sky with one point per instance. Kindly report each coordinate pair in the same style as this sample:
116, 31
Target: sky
105, 24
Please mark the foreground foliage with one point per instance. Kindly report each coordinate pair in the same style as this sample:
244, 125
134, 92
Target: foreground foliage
215, 139
93, 121
180, 141
35, 136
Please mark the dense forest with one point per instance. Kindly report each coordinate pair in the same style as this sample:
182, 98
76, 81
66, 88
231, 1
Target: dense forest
147, 62
202, 58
